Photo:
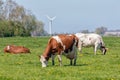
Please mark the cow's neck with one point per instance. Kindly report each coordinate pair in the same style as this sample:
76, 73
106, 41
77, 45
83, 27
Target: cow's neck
47, 52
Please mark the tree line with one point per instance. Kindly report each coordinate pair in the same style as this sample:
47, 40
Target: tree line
15, 20
100, 30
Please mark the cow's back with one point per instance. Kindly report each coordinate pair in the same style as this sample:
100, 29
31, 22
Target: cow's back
95, 38
67, 41
89, 39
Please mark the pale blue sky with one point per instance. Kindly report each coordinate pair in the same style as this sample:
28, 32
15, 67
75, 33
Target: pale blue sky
76, 15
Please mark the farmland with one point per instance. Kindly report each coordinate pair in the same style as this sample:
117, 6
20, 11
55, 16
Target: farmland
89, 66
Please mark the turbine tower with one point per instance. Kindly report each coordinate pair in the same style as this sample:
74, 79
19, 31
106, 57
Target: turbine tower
50, 23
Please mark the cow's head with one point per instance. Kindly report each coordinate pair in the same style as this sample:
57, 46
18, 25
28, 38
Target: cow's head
104, 49
43, 61
7, 48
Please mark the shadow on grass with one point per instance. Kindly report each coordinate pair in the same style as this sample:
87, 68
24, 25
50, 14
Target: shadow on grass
91, 53
77, 65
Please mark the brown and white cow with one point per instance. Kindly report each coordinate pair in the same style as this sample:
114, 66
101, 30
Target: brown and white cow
58, 45
91, 40
16, 49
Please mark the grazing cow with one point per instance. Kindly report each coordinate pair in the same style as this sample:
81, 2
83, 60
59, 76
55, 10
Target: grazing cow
92, 39
16, 49
58, 45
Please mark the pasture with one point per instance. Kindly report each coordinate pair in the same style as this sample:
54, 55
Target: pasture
89, 66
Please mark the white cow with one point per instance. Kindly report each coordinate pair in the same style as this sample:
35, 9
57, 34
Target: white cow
91, 39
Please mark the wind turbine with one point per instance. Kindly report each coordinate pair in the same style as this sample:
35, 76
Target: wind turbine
50, 23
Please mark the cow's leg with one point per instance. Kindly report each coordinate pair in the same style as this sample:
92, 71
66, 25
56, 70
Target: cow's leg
80, 46
80, 49
70, 61
53, 57
95, 48
95, 51
60, 59
74, 62
75, 58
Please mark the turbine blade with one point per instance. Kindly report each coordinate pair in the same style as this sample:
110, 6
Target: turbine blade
48, 17
51, 18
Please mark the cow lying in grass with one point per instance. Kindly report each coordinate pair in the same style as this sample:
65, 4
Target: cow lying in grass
92, 39
16, 49
58, 45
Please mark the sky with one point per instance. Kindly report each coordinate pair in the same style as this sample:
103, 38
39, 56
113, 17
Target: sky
73, 16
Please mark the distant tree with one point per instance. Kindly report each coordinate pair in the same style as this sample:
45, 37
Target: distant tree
18, 21
6, 29
101, 30
1, 9
85, 31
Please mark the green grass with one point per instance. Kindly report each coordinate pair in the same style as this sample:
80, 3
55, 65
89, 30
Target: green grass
89, 66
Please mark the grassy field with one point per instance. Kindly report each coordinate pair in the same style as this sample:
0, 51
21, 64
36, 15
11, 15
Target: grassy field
89, 66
